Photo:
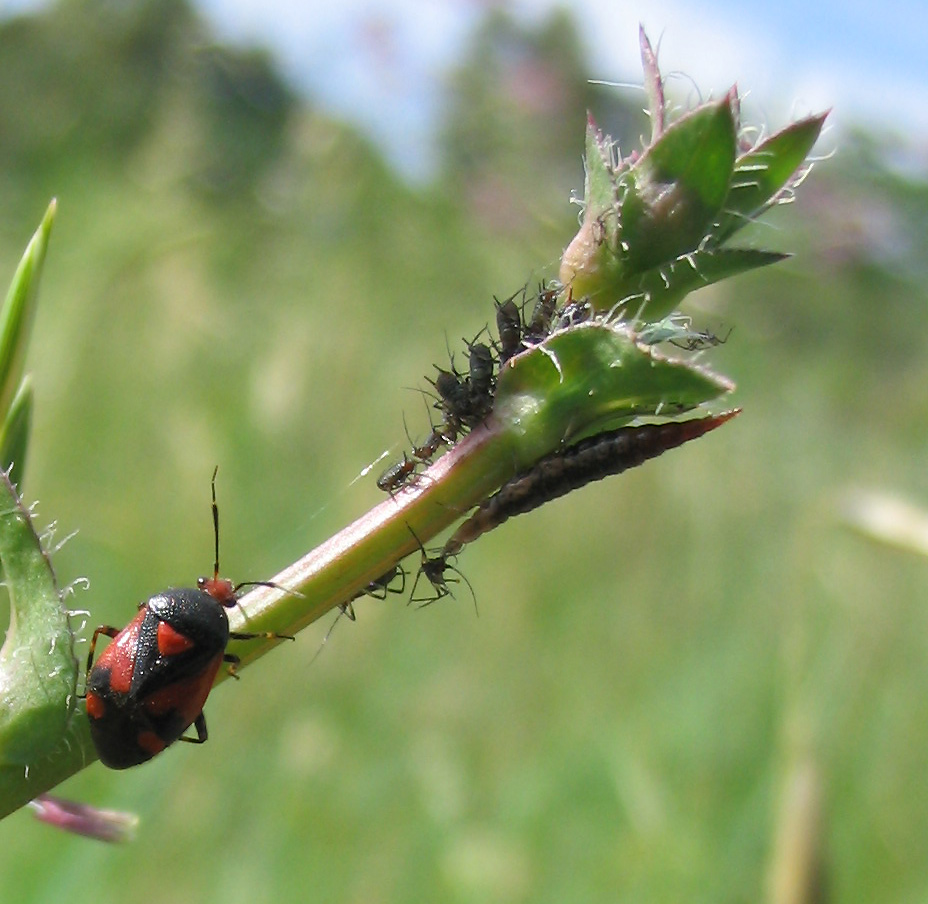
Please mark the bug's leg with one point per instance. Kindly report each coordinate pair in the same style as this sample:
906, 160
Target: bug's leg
233, 661
199, 723
267, 635
109, 631
344, 609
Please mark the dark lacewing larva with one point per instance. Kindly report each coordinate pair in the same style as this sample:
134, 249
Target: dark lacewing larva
589, 460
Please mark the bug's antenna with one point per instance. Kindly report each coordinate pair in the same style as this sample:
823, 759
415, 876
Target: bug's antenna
215, 523
226, 592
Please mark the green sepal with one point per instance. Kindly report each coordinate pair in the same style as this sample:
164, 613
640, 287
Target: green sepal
653, 224
600, 187
38, 670
762, 172
661, 290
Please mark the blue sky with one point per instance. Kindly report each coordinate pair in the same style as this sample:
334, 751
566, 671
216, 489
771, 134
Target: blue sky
380, 62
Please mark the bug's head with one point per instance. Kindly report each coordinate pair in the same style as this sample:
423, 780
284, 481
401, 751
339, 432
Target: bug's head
220, 589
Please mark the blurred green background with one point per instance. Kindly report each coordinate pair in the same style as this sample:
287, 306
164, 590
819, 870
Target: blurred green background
670, 671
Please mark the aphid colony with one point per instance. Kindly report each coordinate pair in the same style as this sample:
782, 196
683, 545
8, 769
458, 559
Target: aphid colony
464, 400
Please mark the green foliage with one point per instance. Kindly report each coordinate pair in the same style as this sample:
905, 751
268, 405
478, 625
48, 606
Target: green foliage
38, 670
244, 109
17, 314
104, 89
129, 75
764, 174
674, 191
14, 438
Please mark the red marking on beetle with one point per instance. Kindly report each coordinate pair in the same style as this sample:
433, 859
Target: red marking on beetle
171, 642
95, 706
150, 742
184, 697
120, 656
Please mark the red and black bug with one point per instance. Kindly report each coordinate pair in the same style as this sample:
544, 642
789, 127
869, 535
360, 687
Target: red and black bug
149, 685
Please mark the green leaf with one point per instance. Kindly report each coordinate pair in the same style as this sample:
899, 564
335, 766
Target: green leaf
14, 439
586, 379
38, 670
762, 172
18, 311
591, 264
698, 152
